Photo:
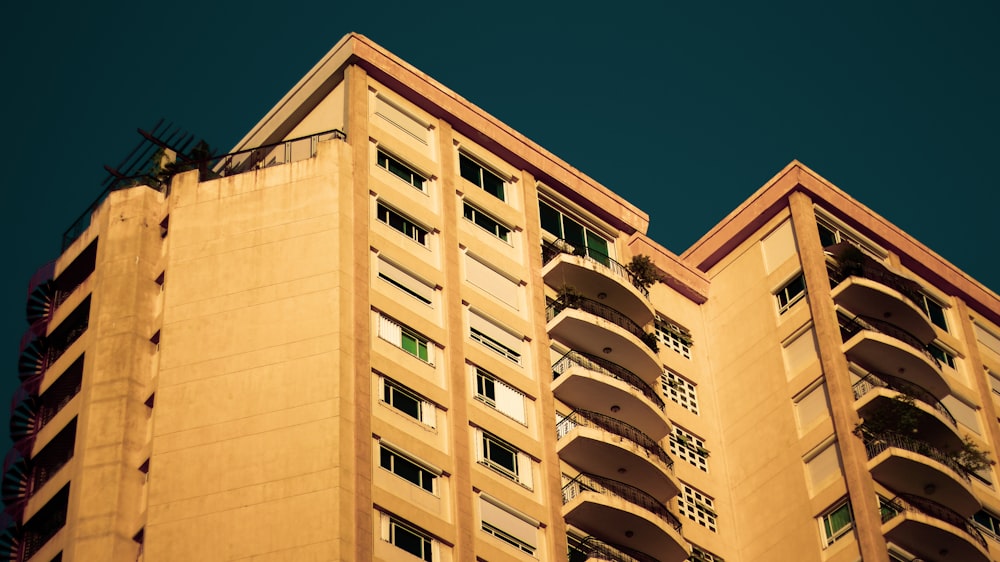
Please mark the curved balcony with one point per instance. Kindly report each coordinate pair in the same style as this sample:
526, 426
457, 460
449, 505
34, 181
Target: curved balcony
608, 447
11, 537
935, 423
932, 531
591, 383
41, 292
15, 488
593, 548
866, 287
622, 514
594, 274
597, 329
24, 418
915, 467
883, 347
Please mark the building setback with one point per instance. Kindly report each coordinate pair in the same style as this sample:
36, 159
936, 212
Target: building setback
396, 329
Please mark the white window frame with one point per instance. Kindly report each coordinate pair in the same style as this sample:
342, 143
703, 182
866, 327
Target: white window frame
699, 554
495, 337
689, 447
698, 507
522, 470
426, 410
506, 399
427, 474
786, 299
506, 238
417, 180
521, 532
948, 358
680, 391
391, 525
395, 333
405, 281
673, 336
827, 532
483, 170
416, 231
927, 302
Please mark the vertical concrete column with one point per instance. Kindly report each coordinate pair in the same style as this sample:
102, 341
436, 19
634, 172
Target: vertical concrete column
860, 486
980, 382
551, 476
458, 379
355, 513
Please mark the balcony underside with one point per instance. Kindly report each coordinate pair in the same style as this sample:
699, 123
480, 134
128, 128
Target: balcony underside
605, 454
592, 279
584, 389
884, 353
586, 332
908, 472
617, 521
870, 298
933, 539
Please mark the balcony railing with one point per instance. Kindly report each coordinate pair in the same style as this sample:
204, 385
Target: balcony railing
607, 368
592, 547
882, 380
863, 265
552, 249
601, 311
586, 418
875, 443
851, 326
916, 504
605, 486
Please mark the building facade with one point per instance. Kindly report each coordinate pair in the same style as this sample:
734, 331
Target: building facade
389, 327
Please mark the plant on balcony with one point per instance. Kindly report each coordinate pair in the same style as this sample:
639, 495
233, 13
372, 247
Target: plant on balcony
971, 457
644, 271
569, 295
850, 260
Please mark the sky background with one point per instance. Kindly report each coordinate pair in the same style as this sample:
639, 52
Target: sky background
683, 108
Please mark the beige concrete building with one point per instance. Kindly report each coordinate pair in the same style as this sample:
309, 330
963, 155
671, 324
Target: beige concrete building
389, 327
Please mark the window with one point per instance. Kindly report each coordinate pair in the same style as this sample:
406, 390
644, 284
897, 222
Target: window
941, 355
407, 537
988, 522
494, 337
830, 235
498, 395
402, 224
697, 507
673, 337
400, 170
836, 522
482, 275
702, 555
509, 527
503, 458
680, 390
406, 339
479, 175
935, 311
791, 293
407, 401
690, 448
405, 282
486, 222
584, 241
406, 468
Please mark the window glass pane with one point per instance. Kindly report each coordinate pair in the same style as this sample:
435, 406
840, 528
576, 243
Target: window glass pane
827, 237
409, 541
598, 248
468, 168
485, 386
493, 185
550, 219
402, 401
573, 233
500, 454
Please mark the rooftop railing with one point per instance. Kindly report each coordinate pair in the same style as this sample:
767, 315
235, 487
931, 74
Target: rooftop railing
916, 504
601, 311
605, 486
882, 380
607, 368
586, 418
552, 249
851, 326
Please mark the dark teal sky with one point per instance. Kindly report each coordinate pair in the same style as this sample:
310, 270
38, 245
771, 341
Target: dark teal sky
684, 108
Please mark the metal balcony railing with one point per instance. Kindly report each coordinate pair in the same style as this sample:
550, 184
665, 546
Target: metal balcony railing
586, 418
594, 548
875, 443
916, 504
882, 380
605, 486
867, 267
607, 368
601, 311
851, 326
552, 249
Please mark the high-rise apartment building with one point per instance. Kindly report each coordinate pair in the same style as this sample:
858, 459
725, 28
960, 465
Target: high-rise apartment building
389, 327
